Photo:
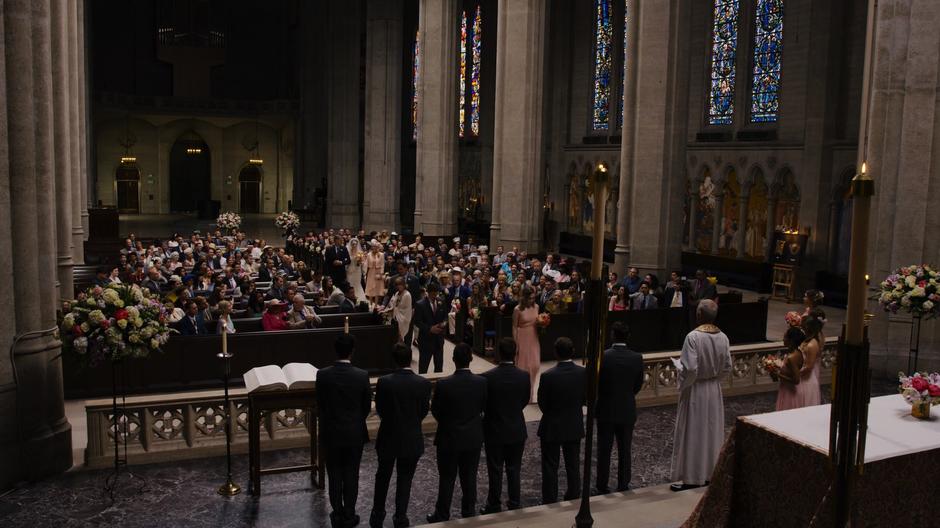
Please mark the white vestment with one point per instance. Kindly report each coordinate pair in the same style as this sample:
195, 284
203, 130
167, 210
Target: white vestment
700, 422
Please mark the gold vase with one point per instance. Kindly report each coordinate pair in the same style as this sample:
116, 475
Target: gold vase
921, 411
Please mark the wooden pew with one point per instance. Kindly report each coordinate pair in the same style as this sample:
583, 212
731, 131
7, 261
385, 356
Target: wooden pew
190, 362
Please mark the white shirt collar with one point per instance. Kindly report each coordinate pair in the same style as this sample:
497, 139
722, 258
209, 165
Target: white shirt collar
619, 344
343, 361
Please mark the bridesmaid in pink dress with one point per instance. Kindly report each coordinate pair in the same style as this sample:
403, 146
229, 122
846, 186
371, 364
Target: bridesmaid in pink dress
808, 390
524, 317
789, 375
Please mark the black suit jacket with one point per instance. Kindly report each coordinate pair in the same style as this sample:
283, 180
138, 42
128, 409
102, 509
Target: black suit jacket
425, 318
458, 405
344, 399
621, 377
186, 327
507, 393
561, 398
337, 272
402, 400
670, 292
347, 306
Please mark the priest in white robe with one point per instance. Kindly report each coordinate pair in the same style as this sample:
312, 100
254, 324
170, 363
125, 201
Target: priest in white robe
700, 422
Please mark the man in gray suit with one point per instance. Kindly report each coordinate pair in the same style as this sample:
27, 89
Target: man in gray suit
643, 299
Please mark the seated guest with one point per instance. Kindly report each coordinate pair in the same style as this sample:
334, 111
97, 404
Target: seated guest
274, 317
402, 400
256, 303
458, 405
676, 293
619, 302
561, 397
301, 315
344, 399
277, 291
206, 283
702, 288
632, 281
507, 393
204, 309
643, 299
225, 323
154, 281
347, 303
619, 380
101, 277
556, 303
192, 322
115, 276
174, 314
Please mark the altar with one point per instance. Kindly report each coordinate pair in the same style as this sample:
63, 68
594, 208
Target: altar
776, 466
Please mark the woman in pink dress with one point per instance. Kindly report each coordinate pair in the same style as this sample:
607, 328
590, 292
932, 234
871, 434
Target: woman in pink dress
375, 274
524, 318
808, 390
789, 375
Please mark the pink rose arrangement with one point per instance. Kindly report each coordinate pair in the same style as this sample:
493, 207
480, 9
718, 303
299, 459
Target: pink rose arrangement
920, 387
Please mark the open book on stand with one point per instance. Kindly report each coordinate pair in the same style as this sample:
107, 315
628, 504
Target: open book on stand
273, 378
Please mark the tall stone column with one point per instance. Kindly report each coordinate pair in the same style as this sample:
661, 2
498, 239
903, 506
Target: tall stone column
345, 121
627, 142
82, 97
36, 438
518, 149
381, 188
436, 175
771, 229
75, 147
693, 214
63, 159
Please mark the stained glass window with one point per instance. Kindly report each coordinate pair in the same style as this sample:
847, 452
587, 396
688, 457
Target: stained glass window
724, 50
414, 87
602, 65
768, 48
476, 47
623, 69
462, 81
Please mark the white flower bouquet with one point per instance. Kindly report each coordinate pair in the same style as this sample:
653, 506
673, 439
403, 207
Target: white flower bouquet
113, 323
913, 289
287, 221
228, 220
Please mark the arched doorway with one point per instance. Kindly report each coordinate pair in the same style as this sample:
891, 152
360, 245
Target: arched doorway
249, 189
190, 173
127, 181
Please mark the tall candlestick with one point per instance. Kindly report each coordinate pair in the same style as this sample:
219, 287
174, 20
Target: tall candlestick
863, 188
600, 205
224, 335
346, 325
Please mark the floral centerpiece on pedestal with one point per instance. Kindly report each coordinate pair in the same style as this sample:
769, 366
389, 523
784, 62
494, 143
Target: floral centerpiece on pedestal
921, 390
229, 221
113, 323
288, 221
913, 289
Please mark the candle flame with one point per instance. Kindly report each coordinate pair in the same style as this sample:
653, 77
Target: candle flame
864, 167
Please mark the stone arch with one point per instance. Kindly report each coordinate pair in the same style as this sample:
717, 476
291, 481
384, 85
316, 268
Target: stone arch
757, 214
786, 193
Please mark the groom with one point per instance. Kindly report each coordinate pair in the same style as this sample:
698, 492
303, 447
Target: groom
336, 259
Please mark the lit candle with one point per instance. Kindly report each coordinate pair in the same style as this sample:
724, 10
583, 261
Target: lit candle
225, 336
346, 325
863, 188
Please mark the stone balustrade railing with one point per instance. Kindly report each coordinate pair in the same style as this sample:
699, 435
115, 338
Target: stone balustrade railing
191, 425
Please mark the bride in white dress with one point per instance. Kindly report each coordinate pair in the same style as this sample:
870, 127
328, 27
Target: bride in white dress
354, 269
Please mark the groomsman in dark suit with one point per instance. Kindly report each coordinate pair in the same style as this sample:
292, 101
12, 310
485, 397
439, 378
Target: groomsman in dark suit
337, 258
344, 399
193, 322
561, 398
431, 319
402, 400
620, 379
458, 405
507, 393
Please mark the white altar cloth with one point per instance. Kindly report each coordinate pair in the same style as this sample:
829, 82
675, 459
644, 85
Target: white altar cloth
892, 431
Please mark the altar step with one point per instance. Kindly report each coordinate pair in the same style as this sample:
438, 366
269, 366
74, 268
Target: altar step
652, 507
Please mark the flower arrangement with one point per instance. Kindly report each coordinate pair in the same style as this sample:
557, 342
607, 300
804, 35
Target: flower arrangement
920, 388
794, 319
543, 320
455, 305
230, 221
288, 221
113, 323
772, 363
913, 289
475, 313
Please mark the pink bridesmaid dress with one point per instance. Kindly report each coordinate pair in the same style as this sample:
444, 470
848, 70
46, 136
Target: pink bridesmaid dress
529, 353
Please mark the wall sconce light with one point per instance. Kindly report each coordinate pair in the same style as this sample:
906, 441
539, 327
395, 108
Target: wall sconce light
193, 151
128, 159
256, 161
